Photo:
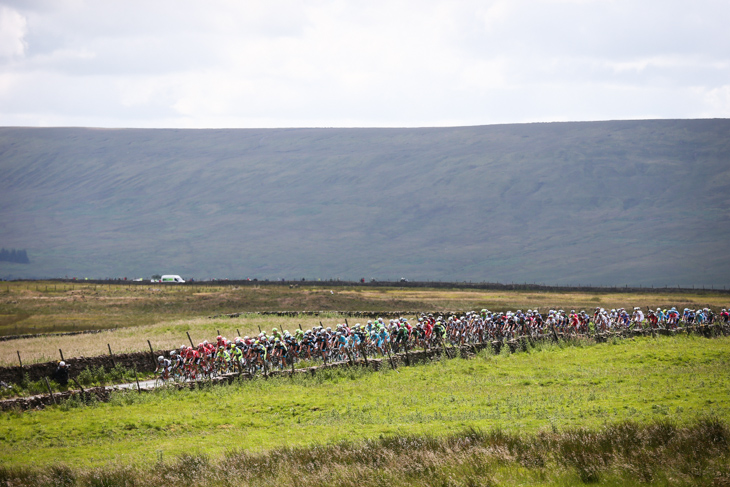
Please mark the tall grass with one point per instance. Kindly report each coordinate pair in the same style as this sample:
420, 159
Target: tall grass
625, 453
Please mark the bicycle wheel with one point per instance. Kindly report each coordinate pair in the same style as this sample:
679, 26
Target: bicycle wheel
178, 377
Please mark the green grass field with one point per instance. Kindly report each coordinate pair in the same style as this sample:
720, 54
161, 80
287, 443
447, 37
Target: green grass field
552, 388
557, 415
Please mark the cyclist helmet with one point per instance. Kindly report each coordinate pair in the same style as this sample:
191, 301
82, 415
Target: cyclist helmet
160, 358
63, 364
219, 338
205, 342
173, 352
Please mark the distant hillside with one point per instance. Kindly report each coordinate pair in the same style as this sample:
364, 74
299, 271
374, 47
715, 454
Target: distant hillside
627, 202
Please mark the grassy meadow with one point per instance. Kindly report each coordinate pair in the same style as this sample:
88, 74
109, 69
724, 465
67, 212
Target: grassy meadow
551, 388
642, 411
163, 314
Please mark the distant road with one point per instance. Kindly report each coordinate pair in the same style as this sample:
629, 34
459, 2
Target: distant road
417, 284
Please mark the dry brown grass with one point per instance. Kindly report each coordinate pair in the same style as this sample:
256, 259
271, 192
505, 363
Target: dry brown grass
473, 299
165, 335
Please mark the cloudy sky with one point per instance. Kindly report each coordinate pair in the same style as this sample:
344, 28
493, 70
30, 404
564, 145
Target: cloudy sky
390, 63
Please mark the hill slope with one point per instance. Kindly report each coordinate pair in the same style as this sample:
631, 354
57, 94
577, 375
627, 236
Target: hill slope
638, 202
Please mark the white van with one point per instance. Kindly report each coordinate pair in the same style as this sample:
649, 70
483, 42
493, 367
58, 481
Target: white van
171, 278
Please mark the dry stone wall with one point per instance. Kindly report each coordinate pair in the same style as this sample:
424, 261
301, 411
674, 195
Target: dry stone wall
141, 361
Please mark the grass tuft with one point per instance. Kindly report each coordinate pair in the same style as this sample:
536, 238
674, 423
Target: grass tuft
624, 453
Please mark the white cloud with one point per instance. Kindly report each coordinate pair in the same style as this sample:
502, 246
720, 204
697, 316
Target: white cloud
716, 102
12, 33
380, 63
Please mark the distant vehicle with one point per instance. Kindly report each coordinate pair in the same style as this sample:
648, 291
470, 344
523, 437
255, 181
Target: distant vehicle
403, 279
171, 278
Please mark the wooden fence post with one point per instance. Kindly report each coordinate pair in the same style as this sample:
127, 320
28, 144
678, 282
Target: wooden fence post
190, 339
392, 364
49, 390
114, 363
61, 352
83, 393
137, 380
21, 362
154, 360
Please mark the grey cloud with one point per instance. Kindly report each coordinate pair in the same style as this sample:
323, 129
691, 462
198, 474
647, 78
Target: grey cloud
175, 62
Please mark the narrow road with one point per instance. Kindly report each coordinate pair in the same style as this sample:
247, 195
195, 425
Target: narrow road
144, 384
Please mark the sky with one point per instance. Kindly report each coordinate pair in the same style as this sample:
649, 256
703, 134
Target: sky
391, 63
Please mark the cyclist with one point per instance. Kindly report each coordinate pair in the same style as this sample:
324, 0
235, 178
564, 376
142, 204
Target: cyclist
279, 352
163, 367
222, 359
383, 340
673, 318
341, 342
260, 354
402, 335
236, 355
653, 319
178, 362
